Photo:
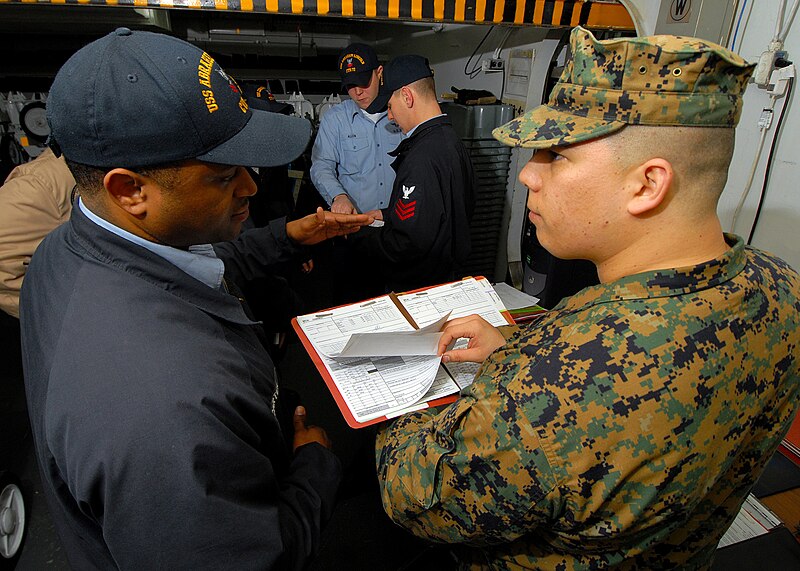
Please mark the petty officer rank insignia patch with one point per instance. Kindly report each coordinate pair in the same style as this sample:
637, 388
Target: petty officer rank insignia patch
404, 208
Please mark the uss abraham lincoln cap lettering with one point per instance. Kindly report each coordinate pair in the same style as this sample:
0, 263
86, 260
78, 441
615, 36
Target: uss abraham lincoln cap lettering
654, 80
137, 99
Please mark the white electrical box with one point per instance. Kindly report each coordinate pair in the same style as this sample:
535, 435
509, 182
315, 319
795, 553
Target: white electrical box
520, 63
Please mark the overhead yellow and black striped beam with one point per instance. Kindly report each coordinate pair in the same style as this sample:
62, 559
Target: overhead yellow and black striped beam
555, 13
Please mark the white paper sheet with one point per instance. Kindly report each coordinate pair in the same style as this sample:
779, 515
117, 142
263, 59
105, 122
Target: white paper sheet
423, 341
374, 386
371, 387
460, 299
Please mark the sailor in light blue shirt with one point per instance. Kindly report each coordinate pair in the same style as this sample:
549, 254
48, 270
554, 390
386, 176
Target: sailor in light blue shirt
350, 165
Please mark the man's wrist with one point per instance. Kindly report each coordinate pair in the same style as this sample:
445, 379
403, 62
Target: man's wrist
344, 194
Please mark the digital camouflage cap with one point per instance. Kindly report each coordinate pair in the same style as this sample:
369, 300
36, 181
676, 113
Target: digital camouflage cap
654, 80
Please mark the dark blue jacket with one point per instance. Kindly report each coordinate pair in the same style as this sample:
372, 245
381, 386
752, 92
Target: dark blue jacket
153, 406
425, 239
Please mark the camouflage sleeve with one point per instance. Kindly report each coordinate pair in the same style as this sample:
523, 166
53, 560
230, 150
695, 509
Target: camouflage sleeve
465, 473
508, 331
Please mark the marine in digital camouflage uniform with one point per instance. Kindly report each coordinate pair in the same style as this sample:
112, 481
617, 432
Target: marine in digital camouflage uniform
626, 427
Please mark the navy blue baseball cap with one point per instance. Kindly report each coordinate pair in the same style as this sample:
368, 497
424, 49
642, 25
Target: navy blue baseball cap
260, 97
138, 99
399, 72
356, 63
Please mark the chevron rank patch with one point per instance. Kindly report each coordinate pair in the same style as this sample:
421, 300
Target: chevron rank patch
404, 208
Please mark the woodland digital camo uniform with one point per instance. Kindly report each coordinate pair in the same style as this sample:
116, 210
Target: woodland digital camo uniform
626, 427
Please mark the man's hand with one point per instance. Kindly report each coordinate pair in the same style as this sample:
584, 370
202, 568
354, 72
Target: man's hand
342, 205
376, 214
484, 339
307, 434
322, 225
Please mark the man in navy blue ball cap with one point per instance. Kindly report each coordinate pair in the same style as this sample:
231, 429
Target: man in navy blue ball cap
425, 239
401, 71
156, 413
356, 65
351, 167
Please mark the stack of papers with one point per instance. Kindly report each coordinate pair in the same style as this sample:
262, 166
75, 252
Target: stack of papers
380, 360
753, 519
521, 306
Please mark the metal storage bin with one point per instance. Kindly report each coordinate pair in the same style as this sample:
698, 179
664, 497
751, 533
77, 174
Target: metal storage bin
491, 160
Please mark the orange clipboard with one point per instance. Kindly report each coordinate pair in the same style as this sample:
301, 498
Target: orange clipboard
334, 390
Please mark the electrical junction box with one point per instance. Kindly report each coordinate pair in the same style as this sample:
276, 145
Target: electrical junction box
492, 65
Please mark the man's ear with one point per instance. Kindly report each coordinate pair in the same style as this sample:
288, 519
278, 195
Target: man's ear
652, 181
408, 96
126, 189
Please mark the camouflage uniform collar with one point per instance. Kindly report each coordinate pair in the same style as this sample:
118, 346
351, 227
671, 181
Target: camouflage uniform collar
664, 283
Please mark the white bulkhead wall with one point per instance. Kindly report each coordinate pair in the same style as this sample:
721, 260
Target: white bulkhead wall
763, 207
747, 27
778, 227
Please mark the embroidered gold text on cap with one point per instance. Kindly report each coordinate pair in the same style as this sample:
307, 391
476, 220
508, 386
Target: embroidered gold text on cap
356, 56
